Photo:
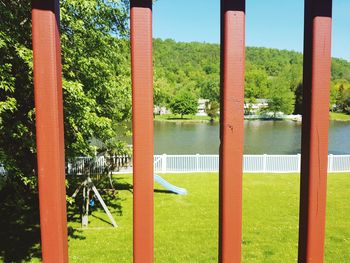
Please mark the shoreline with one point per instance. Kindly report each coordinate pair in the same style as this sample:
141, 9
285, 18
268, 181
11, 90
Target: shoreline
335, 116
185, 120
341, 117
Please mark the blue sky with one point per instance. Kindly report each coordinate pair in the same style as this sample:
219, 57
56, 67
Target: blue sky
269, 23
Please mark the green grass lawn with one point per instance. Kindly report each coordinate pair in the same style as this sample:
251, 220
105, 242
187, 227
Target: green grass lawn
339, 116
186, 226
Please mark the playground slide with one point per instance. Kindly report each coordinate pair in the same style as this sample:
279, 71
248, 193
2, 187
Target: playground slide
169, 186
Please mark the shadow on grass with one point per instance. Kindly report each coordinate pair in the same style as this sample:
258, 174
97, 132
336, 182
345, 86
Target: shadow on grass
19, 225
19, 220
109, 195
102, 219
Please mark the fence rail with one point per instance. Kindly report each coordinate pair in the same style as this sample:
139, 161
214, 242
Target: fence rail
209, 163
98, 165
251, 163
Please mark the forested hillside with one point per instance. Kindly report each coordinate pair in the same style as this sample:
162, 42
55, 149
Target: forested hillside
270, 73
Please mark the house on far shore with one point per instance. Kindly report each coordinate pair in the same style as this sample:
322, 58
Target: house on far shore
254, 108
161, 110
201, 107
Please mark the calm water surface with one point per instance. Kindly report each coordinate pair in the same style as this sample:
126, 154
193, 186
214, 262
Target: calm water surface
270, 137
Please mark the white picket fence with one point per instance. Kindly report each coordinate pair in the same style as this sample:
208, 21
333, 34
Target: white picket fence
251, 163
96, 165
210, 163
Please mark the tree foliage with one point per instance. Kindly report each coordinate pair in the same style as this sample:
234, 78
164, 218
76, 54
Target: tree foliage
96, 78
184, 103
17, 141
196, 66
342, 97
212, 108
96, 70
281, 98
256, 83
96, 85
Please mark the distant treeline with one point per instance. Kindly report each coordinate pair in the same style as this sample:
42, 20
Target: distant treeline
271, 74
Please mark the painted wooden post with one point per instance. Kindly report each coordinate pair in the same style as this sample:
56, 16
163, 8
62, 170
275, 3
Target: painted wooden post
142, 110
231, 129
316, 82
49, 130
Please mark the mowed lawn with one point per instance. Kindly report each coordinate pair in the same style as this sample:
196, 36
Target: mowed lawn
186, 226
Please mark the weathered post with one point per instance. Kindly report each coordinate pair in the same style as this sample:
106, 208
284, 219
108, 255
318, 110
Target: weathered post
316, 84
231, 129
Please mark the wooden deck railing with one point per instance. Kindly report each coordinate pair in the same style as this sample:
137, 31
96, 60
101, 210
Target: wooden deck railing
50, 144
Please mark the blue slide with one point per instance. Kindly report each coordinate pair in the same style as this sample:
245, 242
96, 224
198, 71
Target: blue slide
169, 186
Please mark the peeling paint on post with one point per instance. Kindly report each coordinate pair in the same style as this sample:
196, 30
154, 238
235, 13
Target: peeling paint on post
231, 129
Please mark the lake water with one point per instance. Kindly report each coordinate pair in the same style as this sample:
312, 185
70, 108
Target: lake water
270, 137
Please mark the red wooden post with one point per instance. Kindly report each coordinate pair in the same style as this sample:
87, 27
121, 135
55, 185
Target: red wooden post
231, 129
142, 110
49, 130
313, 183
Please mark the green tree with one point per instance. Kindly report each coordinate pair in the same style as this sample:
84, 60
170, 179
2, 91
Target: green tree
340, 69
343, 101
210, 88
161, 92
212, 108
16, 90
298, 106
96, 85
256, 84
199, 63
281, 98
184, 103
333, 96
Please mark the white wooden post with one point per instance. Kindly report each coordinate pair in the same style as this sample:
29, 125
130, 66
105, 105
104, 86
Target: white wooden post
104, 164
330, 160
197, 162
299, 161
264, 162
164, 159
